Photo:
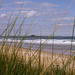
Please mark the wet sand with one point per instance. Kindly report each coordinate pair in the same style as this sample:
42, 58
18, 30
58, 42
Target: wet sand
57, 48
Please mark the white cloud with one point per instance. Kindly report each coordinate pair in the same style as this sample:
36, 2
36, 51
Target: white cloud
51, 9
65, 24
2, 15
31, 13
62, 18
20, 2
27, 8
27, 13
39, 7
66, 18
11, 17
46, 4
25, 2
41, 13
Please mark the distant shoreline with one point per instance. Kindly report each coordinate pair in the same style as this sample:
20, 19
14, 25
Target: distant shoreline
47, 37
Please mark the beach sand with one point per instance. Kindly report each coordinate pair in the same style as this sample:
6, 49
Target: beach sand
45, 58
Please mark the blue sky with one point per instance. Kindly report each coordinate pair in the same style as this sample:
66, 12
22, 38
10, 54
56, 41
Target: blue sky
44, 14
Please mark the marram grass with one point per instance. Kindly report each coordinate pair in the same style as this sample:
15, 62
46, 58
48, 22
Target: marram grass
13, 62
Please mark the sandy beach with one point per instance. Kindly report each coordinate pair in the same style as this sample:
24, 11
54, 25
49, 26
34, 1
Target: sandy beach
45, 58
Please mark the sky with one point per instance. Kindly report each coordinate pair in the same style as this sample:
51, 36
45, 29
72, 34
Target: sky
43, 17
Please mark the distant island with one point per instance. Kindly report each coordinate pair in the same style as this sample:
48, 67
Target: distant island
32, 35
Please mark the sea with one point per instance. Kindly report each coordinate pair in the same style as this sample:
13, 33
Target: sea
56, 44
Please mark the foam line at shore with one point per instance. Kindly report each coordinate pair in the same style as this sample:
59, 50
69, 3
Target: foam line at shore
43, 41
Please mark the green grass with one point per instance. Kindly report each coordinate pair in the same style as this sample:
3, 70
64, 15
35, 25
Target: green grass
14, 64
